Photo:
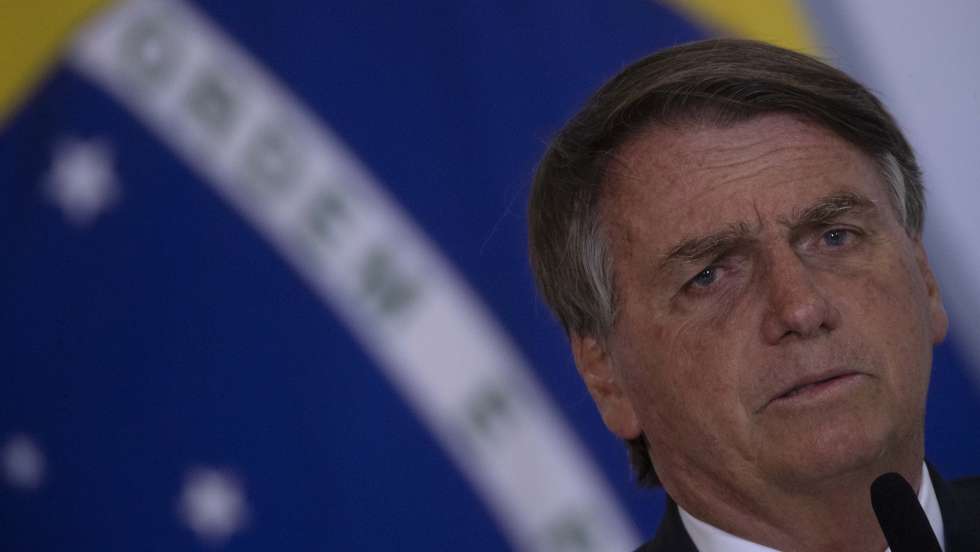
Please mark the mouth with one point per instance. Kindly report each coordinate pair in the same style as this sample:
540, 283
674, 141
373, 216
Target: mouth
815, 387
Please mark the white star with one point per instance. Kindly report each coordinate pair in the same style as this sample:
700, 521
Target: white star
213, 504
81, 180
23, 463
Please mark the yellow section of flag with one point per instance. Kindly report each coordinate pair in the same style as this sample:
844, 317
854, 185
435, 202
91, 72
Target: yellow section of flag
780, 22
32, 36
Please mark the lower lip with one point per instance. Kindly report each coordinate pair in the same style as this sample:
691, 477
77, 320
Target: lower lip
819, 391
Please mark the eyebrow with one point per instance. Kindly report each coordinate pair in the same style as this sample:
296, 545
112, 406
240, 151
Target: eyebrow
735, 235
829, 209
701, 247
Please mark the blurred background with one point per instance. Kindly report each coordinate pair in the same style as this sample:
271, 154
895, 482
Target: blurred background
264, 282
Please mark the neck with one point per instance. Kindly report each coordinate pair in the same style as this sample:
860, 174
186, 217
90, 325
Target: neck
814, 516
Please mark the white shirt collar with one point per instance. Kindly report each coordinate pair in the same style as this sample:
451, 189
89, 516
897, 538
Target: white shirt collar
929, 502
708, 538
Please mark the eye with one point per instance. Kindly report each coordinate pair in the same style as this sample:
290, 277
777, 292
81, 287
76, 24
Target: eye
705, 278
837, 237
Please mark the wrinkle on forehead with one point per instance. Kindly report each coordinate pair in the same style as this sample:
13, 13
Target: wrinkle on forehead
706, 146
693, 161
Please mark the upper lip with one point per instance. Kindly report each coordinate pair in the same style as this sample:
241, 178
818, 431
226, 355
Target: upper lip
811, 379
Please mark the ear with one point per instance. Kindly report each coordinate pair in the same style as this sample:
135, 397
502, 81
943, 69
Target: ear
937, 311
595, 366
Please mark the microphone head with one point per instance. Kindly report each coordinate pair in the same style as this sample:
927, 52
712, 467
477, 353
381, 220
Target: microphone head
900, 515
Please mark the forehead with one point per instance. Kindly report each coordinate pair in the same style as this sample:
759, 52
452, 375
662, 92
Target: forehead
691, 179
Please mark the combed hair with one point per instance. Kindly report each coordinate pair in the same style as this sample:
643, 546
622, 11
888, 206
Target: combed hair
720, 82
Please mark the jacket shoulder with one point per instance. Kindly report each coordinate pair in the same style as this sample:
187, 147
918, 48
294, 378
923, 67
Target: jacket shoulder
967, 492
959, 502
967, 483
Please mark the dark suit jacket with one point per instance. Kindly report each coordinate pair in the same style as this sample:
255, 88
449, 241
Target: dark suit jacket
959, 502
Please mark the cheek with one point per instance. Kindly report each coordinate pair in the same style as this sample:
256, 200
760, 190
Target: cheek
894, 303
690, 409
691, 375
686, 373
890, 316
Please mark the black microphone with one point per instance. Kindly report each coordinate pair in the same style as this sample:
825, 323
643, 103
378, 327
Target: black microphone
900, 515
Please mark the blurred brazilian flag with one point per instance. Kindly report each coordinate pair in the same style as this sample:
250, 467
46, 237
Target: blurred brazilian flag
265, 284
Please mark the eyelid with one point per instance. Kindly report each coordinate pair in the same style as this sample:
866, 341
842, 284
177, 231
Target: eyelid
847, 229
713, 261
817, 231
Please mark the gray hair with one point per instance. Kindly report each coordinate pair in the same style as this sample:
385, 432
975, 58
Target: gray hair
721, 82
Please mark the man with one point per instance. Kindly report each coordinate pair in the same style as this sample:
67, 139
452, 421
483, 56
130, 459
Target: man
730, 234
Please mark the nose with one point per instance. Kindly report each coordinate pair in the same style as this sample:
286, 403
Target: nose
797, 306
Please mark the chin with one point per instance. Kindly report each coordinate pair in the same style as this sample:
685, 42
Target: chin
861, 451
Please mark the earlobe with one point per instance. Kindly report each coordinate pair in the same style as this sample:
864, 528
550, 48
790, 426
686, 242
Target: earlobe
596, 368
937, 310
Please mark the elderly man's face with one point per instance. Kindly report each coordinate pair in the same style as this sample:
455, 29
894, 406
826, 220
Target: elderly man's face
775, 320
